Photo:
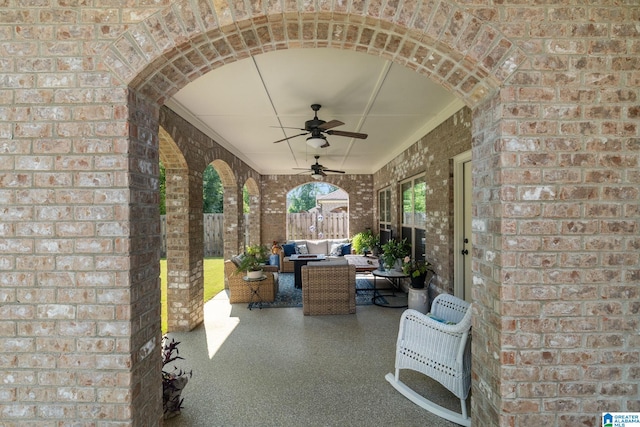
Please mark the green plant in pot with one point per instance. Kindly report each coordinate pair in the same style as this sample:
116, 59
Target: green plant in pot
365, 242
394, 250
254, 257
416, 270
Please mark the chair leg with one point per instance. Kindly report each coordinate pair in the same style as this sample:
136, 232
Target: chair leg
459, 418
463, 404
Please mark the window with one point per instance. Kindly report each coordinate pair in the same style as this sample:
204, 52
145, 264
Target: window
384, 212
414, 214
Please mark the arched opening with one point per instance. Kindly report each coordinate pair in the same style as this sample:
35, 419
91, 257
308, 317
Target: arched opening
317, 210
473, 75
555, 178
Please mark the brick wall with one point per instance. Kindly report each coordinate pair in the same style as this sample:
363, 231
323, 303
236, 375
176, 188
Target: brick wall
553, 90
274, 200
431, 155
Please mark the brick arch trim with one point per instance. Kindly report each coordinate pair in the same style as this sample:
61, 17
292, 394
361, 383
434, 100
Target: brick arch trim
170, 154
227, 177
252, 187
161, 54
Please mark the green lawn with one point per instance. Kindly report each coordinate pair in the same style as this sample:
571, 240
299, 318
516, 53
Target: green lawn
213, 283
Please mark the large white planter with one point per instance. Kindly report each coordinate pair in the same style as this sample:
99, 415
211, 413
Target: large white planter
418, 300
254, 274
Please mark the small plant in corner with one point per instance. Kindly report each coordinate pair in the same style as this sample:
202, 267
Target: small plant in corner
173, 381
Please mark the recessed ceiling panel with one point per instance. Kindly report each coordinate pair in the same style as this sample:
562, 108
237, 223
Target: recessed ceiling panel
249, 104
232, 90
407, 93
341, 81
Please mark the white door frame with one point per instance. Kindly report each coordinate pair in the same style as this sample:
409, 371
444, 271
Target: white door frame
458, 221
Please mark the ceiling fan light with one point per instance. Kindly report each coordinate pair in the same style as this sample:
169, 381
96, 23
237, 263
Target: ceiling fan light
316, 176
316, 141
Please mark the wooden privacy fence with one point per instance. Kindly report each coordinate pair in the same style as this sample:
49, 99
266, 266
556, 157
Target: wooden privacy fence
317, 226
299, 226
213, 235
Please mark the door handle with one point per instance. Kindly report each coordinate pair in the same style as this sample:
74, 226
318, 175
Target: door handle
465, 252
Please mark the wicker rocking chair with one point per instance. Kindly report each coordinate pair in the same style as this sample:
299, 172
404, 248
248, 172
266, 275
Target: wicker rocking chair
438, 345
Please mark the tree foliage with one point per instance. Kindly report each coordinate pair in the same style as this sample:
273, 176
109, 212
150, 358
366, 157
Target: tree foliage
246, 207
303, 198
212, 191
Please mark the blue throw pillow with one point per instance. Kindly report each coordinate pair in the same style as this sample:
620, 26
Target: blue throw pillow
346, 249
289, 249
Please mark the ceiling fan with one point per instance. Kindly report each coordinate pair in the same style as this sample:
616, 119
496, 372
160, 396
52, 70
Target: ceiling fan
317, 128
318, 171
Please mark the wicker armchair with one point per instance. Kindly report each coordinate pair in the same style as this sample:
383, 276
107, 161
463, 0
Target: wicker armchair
240, 291
438, 345
328, 287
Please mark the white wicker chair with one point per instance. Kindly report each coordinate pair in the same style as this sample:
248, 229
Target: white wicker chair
440, 350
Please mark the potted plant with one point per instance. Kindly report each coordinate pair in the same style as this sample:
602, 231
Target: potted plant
255, 256
394, 250
416, 270
365, 242
174, 381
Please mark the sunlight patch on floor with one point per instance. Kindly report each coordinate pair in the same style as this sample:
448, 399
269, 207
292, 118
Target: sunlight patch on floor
218, 323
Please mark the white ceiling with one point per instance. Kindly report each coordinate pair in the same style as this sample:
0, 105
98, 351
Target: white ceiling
248, 104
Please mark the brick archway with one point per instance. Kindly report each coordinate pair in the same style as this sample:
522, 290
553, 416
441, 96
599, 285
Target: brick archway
555, 151
443, 42
465, 56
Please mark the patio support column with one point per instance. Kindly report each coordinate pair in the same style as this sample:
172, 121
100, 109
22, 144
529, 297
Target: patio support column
233, 221
488, 260
185, 251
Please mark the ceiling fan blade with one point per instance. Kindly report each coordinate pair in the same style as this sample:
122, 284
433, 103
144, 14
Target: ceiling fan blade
285, 127
322, 173
348, 134
289, 137
330, 124
332, 171
325, 145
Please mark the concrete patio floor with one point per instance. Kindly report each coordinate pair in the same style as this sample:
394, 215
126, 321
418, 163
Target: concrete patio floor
276, 367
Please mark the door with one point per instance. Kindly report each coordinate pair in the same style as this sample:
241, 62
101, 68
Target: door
462, 214
466, 235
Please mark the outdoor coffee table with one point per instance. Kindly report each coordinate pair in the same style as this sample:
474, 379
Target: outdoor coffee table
364, 264
298, 261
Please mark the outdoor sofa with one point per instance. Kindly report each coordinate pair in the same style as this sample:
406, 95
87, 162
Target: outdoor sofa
331, 248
